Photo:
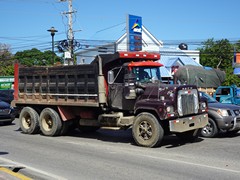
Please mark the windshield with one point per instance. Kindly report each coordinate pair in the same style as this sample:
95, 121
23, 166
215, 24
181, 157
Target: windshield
210, 99
147, 74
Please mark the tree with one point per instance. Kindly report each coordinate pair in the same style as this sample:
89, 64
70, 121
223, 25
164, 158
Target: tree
231, 78
219, 54
6, 61
35, 57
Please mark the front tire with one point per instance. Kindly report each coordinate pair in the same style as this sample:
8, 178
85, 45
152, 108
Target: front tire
50, 122
29, 121
147, 131
210, 130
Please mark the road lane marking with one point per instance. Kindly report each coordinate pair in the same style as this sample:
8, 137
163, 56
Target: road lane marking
32, 169
194, 164
17, 175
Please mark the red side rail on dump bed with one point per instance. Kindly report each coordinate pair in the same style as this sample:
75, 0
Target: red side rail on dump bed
16, 74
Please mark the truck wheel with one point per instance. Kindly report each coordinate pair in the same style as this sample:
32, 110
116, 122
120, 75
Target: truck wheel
50, 122
210, 130
189, 135
147, 131
29, 121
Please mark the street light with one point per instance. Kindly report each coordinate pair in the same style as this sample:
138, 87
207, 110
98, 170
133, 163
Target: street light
52, 30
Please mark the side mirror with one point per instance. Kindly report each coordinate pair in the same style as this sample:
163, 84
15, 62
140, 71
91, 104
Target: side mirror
110, 77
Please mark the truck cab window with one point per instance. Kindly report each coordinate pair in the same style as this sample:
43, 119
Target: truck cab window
225, 91
147, 74
219, 92
118, 75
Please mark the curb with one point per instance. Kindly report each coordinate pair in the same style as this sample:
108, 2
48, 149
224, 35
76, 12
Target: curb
7, 173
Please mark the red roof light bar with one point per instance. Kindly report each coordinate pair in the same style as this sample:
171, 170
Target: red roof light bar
142, 55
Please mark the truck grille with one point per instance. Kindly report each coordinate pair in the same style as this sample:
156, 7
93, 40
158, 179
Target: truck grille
238, 119
188, 102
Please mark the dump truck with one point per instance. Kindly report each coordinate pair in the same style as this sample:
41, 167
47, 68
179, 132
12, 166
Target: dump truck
122, 90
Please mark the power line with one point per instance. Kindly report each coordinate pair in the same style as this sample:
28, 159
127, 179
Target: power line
37, 41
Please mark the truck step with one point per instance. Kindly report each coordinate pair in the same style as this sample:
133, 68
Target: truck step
115, 120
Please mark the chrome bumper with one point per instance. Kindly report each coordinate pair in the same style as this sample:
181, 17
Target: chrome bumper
236, 125
188, 123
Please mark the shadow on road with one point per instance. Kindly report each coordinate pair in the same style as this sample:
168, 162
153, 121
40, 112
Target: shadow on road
172, 141
111, 135
125, 136
3, 153
7, 123
228, 135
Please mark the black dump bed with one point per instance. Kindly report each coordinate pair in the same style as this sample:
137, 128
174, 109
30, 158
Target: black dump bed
75, 85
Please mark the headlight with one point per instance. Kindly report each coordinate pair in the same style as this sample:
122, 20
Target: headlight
169, 109
203, 105
222, 112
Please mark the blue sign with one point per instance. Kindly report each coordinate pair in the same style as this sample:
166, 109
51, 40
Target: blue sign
236, 71
134, 33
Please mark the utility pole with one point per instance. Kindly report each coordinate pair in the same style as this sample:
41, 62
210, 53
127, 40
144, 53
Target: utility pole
70, 31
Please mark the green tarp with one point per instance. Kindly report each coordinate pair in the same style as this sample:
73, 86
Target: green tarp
197, 75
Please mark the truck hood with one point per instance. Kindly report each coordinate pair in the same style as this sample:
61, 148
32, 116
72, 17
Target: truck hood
158, 90
217, 105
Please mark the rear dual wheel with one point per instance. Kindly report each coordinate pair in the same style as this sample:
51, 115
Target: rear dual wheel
29, 121
50, 122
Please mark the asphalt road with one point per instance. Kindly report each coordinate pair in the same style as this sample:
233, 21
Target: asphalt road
112, 154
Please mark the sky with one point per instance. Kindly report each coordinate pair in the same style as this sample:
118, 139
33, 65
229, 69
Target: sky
24, 23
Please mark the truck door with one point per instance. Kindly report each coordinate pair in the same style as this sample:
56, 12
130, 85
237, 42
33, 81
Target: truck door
115, 87
119, 97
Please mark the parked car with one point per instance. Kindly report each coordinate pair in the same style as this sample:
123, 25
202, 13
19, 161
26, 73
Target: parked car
222, 117
7, 113
6, 95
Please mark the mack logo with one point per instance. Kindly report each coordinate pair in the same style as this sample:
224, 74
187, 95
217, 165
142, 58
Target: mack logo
136, 27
